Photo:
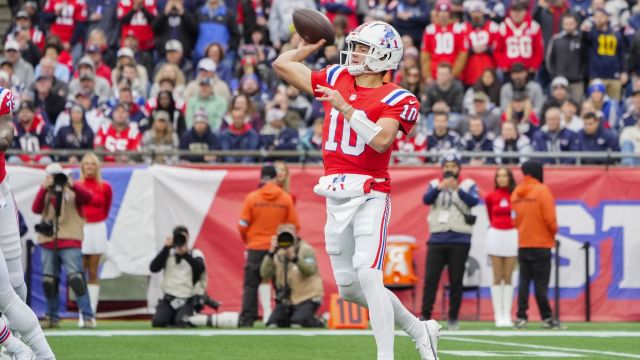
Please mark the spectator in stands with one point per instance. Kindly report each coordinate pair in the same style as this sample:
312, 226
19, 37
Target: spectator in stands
160, 138
535, 218
49, 103
566, 56
138, 87
137, 17
549, 14
559, 94
312, 140
169, 72
519, 41
199, 139
413, 142
136, 116
68, 20
510, 141
606, 53
280, 19
251, 17
52, 67
291, 264
520, 83
101, 68
630, 143
275, 135
441, 139
443, 42
410, 17
481, 33
96, 212
95, 116
244, 108
630, 118
489, 84
601, 102
86, 79
570, 119
118, 136
32, 134
450, 199
126, 57
411, 81
75, 136
596, 138
501, 245
174, 23
22, 70
552, 137
214, 106
23, 23
263, 211
383, 10
207, 70
341, 9
224, 67
165, 102
299, 104
216, 24
445, 89
250, 86
30, 52
520, 112
478, 139
174, 55
239, 136
292, 117
481, 109
103, 19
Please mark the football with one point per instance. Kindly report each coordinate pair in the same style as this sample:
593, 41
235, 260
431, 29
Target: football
312, 25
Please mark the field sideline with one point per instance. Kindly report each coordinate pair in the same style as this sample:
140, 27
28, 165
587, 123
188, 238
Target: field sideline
478, 340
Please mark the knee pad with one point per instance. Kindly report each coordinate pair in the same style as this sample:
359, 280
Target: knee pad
349, 287
50, 286
77, 283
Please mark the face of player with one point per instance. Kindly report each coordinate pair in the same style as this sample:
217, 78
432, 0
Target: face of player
440, 124
476, 127
508, 131
517, 16
89, 168
359, 53
569, 24
502, 178
591, 126
552, 119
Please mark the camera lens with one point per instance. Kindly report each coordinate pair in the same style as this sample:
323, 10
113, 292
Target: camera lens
285, 239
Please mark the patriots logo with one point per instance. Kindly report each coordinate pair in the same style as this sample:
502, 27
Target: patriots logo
388, 38
337, 182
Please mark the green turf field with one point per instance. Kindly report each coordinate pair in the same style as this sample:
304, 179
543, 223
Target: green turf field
475, 340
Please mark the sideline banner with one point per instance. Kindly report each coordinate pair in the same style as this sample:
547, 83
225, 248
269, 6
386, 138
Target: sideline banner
594, 205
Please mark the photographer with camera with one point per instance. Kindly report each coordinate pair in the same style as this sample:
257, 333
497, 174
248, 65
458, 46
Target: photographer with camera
299, 297
451, 224
60, 235
181, 281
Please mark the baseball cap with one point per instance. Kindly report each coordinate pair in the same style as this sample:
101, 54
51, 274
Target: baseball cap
125, 51
450, 156
520, 96
268, 172
12, 45
597, 85
173, 45
161, 115
560, 81
85, 60
480, 96
207, 64
201, 116
22, 15
518, 67
443, 6
54, 168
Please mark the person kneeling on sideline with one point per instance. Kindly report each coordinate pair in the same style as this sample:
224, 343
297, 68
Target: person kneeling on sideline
299, 297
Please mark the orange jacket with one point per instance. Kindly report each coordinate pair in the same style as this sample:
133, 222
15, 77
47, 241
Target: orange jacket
535, 211
263, 210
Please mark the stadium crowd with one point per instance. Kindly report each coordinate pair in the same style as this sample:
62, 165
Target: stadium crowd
157, 75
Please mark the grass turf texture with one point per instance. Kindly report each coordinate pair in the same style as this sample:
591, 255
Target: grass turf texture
459, 345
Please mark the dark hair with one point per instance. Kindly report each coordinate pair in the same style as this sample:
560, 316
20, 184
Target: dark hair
444, 65
590, 115
250, 106
571, 15
181, 228
441, 113
220, 49
512, 180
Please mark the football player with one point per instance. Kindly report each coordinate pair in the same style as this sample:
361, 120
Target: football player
363, 114
13, 290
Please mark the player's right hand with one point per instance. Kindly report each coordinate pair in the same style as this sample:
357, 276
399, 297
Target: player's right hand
48, 182
168, 242
305, 49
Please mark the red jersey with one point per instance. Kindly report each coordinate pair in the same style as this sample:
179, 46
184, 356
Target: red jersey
113, 140
139, 24
7, 106
343, 151
521, 43
97, 209
482, 41
444, 43
410, 145
498, 204
68, 13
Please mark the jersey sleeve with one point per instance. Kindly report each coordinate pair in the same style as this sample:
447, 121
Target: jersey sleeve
427, 42
135, 139
100, 137
80, 12
327, 76
123, 8
404, 108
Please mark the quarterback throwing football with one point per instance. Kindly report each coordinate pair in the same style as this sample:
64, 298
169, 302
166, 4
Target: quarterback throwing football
363, 116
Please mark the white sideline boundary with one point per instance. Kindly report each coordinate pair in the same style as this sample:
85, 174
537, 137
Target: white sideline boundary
545, 347
302, 332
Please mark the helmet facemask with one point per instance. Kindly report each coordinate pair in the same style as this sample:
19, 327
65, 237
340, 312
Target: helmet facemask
374, 61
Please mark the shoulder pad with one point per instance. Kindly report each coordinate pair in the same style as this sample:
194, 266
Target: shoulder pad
396, 95
333, 73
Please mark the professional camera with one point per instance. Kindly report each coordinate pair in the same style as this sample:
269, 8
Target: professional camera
285, 240
450, 174
60, 180
45, 228
179, 238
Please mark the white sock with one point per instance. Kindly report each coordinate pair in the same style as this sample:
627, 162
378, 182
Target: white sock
496, 300
507, 301
7, 340
94, 296
26, 323
404, 319
380, 311
16, 277
264, 296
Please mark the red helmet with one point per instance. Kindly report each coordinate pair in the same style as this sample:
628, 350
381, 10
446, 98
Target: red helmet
7, 105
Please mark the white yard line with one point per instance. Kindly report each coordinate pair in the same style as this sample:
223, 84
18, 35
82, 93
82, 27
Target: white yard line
293, 332
543, 347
